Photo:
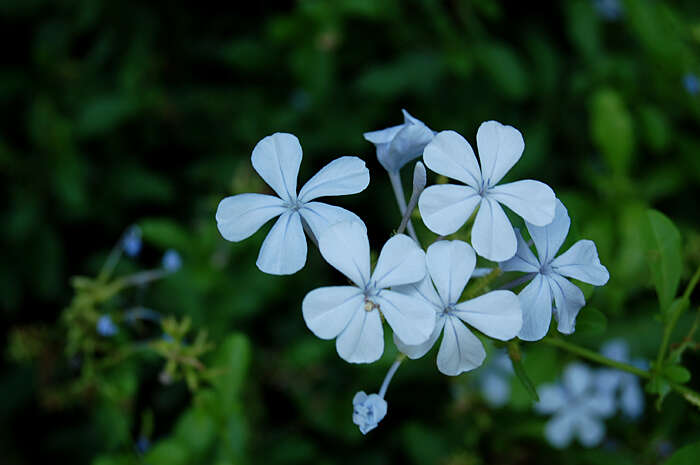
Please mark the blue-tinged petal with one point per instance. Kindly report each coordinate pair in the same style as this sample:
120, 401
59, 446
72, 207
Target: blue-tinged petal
616, 349
239, 216
345, 247
417, 351
581, 262
496, 314
342, 176
523, 260
446, 207
460, 350
552, 398
568, 300
319, 216
327, 310
382, 136
492, 235
368, 411
410, 319
559, 430
536, 305
599, 403
400, 261
632, 399
362, 340
608, 379
284, 249
449, 154
500, 147
590, 430
450, 264
425, 290
276, 158
496, 389
577, 378
548, 239
406, 146
534, 201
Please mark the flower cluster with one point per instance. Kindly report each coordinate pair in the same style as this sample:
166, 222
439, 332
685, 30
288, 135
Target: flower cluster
419, 293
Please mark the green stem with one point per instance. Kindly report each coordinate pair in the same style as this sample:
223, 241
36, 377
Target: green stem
595, 356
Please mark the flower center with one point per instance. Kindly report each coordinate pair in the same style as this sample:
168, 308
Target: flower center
294, 205
369, 305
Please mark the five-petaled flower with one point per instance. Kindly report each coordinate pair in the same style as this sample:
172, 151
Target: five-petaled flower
549, 276
446, 207
277, 158
577, 406
497, 313
352, 313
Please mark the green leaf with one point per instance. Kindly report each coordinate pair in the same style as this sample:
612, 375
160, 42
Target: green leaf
168, 452
677, 374
612, 130
662, 243
164, 233
232, 359
505, 69
660, 387
591, 322
519, 368
687, 455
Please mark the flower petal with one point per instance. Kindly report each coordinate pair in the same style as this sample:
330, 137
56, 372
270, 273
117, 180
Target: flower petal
577, 378
500, 147
362, 340
552, 398
342, 176
345, 247
276, 158
534, 201
412, 321
327, 310
590, 430
632, 399
449, 154
495, 389
581, 262
400, 261
450, 264
559, 431
616, 349
548, 239
382, 136
446, 207
536, 304
568, 300
417, 351
460, 350
523, 260
408, 145
319, 216
492, 235
239, 216
423, 289
284, 249
496, 314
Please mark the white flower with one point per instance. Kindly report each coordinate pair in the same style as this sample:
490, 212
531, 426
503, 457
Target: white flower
496, 314
621, 384
577, 406
276, 158
400, 144
549, 276
446, 207
368, 411
351, 313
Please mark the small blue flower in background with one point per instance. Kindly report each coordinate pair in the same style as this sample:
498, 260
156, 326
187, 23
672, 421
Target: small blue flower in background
131, 242
623, 386
171, 261
610, 10
106, 327
368, 411
494, 379
142, 445
578, 407
691, 83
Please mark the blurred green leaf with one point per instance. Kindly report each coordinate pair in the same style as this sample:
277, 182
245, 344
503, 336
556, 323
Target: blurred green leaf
591, 322
612, 130
687, 455
663, 247
677, 374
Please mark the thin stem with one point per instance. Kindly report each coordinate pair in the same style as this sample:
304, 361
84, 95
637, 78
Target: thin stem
395, 179
518, 281
407, 215
390, 374
595, 356
112, 260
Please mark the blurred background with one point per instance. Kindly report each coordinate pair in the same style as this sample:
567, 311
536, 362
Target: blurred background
145, 113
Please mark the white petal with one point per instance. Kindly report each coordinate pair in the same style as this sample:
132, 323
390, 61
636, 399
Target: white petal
496, 314
276, 158
559, 431
616, 349
581, 262
382, 136
239, 216
577, 378
450, 264
342, 176
599, 403
345, 247
536, 304
632, 399
423, 289
412, 321
492, 235
319, 216
534, 201
362, 340
568, 300
406, 146
417, 351
495, 389
591, 431
284, 249
500, 147
552, 398
451, 155
548, 239
327, 310
446, 207
401, 261
523, 260
460, 350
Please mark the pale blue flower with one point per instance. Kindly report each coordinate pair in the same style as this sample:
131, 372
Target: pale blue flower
276, 159
400, 144
446, 207
352, 313
691, 83
549, 276
131, 242
494, 379
171, 261
624, 386
368, 411
497, 313
577, 406
106, 327
610, 10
